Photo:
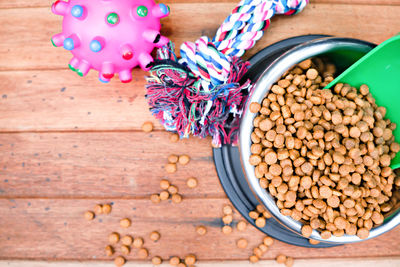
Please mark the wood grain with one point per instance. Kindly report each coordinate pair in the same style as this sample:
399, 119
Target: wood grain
55, 229
47, 3
28, 50
353, 262
107, 164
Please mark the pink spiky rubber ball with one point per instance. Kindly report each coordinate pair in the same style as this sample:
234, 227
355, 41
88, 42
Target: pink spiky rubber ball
110, 36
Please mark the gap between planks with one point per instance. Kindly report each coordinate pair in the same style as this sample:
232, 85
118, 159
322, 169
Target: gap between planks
353, 262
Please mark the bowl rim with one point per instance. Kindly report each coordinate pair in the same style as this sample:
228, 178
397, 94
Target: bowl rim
260, 88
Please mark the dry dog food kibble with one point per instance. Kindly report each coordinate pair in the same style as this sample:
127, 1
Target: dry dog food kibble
170, 167
227, 209
125, 223
155, 236
89, 215
253, 259
143, 253
125, 249
164, 184
147, 127
174, 138
241, 225
155, 198
98, 209
324, 154
281, 259
173, 158
201, 230
127, 240
156, 260
268, 241
184, 159
119, 261
174, 261
109, 250
106, 209
176, 198
191, 182
226, 229
190, 259
113, 238
164, 195
241, 243
138, 242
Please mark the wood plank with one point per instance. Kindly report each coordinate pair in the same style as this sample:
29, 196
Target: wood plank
54, 229
353, 262
108, 164
47, 3
360, 21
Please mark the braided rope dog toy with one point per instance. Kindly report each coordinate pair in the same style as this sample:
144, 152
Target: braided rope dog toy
200, 94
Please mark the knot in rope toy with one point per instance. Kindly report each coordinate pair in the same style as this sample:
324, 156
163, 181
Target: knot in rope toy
200, 94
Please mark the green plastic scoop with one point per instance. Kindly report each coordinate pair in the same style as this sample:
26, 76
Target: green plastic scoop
380, 70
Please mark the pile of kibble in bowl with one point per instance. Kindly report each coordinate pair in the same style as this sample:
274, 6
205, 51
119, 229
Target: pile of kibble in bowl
324, 154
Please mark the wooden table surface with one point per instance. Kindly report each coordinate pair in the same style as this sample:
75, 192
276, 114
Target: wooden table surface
68, 143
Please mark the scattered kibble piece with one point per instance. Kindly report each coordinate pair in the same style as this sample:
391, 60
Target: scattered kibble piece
164, 195
253, 258
181, 264
241, 243
174, 138
173, 189
263, 247
268, 241
113, 238
255, 107
281, 259
98, 209
164, 184
125, 249
289, 262
227, 209
155, 236
176, 198
190, 259
147, 127
127, 240
201, 230
170, 167
313, 242
227, 219
106, 209
89, 215
191, 182
156, 260
174, 261
184, 159
226, 229
143, 253
173, 158
155, 198
109, 251
125, 223
119, 261
138, 242
241, 225
254, 214
260, 222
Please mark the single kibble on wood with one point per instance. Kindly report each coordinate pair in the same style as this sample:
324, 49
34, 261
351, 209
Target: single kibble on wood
89, 215
241, 243
241, 225
263, 247
253, 259
183, 159
98, 209
156, 260
119, 261
227, 209
170, 167
164, 195
289, 262
201, 230
255, 107
190, 259
138, 242
174, 261
176, 198
226, 229
268, 241
125, 249
172, 189
113, 238
143, 253
173, 158
109, 250
155, 198
227, 219
182, 264
281, 259
147, 127
191, 182
125, 223
127, 240
173, 138
106, 209
155, 236
164, 184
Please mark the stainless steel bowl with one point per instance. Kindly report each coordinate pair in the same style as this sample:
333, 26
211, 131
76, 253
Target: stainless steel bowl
343, 52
